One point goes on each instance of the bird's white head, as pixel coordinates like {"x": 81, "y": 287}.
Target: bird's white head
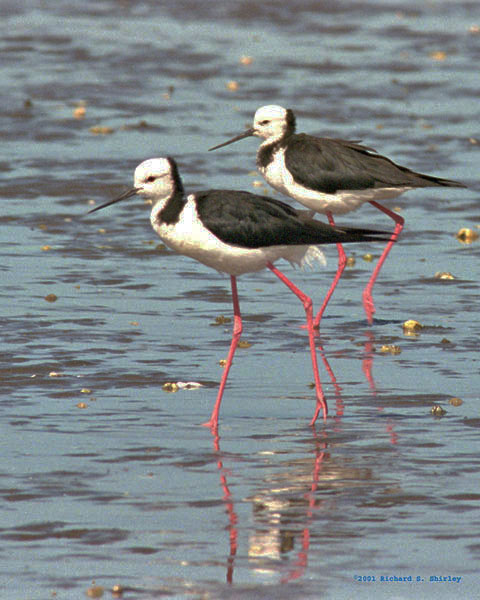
{"x": 272, "y": 122}
{"x": 156, "y": 179}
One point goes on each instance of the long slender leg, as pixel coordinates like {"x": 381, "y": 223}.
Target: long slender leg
{"x": 237, "y": 330}
{"x": 368, "y": 305}
{"x": 342, "y": 261}
{"x": 307, "y": 305}
{"x": 340, "y": 407}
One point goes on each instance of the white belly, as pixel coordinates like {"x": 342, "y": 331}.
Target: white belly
{"x": 340, "y": 203}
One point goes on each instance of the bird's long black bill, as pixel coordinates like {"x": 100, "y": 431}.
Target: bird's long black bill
{"x": 124, "y": 196}
{"x": 245, "y": 134}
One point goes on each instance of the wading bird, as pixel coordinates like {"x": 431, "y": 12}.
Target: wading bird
{"x": 332, "y": 177}
{"x": 237, "y": 232}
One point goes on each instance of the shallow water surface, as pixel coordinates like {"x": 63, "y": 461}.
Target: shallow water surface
{"x": 106, "y": 478}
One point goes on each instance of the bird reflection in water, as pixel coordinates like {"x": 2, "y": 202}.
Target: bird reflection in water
{"x": 296, "y": 501}
{"x": 285, "y": 513}
{"x": 229, "y": 507}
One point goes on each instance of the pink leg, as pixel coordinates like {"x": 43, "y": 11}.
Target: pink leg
{"x": 307, "y": 305}
{"x": 367, "y": 292}
{"x": 342, "y": 261}
{"x": 237, "y": 330}
{"x": 338, "y": 389}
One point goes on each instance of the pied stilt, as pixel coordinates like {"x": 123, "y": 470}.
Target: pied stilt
{"x": 331, "y": 176}
{"x": 237, "y": 232}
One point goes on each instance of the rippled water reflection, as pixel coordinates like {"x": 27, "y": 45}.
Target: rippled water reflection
{"x": 106, "y": 478}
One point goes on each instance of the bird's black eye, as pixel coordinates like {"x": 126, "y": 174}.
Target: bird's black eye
{"x": 151, "y": 178}
{"x": 265, "y": 122}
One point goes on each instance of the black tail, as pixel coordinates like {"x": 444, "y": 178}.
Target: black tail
{"x": 355, "y": 234}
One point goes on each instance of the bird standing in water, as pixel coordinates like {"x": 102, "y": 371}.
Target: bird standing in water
{"x": 236, "y": 232}
{"x": 332, "y": 177}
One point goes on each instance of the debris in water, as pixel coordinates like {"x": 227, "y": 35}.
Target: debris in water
{"x": 438, "y": 55}
{"x": 117, "y": 590}
{"x": 455, "y": 401}
{"x": 350, "y": 261}
{"x": 437, "y": 411}
{"x": 174, "y": 386}
{"x": 101, "y": 130}
{"x": 221, "y": 320}
{"x": 79, "y": 112}
{"x": 412, "y": 327}
{"x": 390, "y": 349}
{"x": 170, "y": 386}
{"x": 96, "y": 591}
{"x": 467, "y": 235}
{"x": 443, "y": 275}
{"x": 189, "y": 385}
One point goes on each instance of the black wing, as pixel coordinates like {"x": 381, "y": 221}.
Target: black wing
{"x": 330, "y": 165}
{"x": 250, "y": 221}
